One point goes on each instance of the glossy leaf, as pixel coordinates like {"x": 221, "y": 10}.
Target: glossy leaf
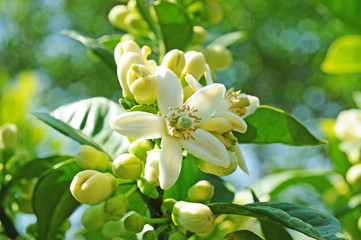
{"x": 229, "y": 39}
{"x": 87, "y": 122}
{"x": 271, "y": 125}
{"x": 343, "y": 56}
{"x": 242, "y": 235}
{"x": 52, "y": 200}
{"x": 175, "y": 24}
{"x": 305, "y": 220}
{"x": 273, "y": 231}
{"x": 94, "y": 46}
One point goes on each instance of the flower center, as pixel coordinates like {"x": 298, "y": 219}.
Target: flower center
{"x": 181, "y": 121}
{"x": 239, "y": 101}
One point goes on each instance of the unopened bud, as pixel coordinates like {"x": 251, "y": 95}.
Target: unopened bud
{"x": 112, "y": 229}
{"x": 126, "y": 47}
{"x": 199, "y": 35}
{"x": 195, "y": 217}
{"x": 177, "y": 236}
{"x": 213, "y": 11}
{"x": 127, "y": 166}
{"x": 91, "y": 158}
{"x": 175, "y": 61}
{"x": 134, "y": 223}
{"x": 115, "y": 207}
{"x": 147, "y": 189}
{"x": 91, "y": 187}
{"x": 217, "y": 124}
{"x": 151, "y": 170}
{"x": 353, "y": 177}
{"x": 142, "y": 84}
{"x": 167, "y": 206}
{"x": 202, "y": 191}
{"x": 218, "y": 170}
{"x": 195, "y": 64}
{"x": 8, "y": 138}
{"x": 117, "y": 15}
{"x": 135, "y": 23}
{"x": 124, "y": 64}
{"x": 150, "y": 235}
{"x": 93, "y": 217}
{"x": 218, "y": 57}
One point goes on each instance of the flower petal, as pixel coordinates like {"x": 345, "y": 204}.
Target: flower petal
{"x": 207, "y": 147}
{"x": 254, "y": 105}
{"x": 239, "y": 124}
{"x": 170, "y": 162}
{"x": 138, "y": 125}
{"x": 208, "y": 75}
{"x": 241, "y": 163}
{"x": 169, "y": 90}
{"x": 192, "y": 82}
{"x": 206, "y": 100}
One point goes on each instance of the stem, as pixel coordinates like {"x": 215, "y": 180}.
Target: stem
{"x": 155, "y": 220}
{"x": 9, "y": 228}
{"x": 125, "y": 181}
{"x": 131, "y": 191}
{"x": 161, "y": 228}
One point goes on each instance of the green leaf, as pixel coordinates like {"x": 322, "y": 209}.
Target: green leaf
{"x": 273, "y": 231}
{"x": 87, "y": 122}
{"x": 229, "y": 39}
{"x": 343, "y": 56}
{"x": 110, "y": 41}
{"x": 271, "y": 125}
{"x": 307, "y": 221}
{"x": 52, "y": 200}
{"x": 243, "y": 235}
{"x": 94, "y": 46}
{"x": 175, "y": 24}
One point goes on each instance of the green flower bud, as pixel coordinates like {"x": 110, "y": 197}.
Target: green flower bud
{"x": 8, "y": 138}
{"x": 195, "y": 64}
{"x": 115, "y": 207}
{"x": 93, "y": 217}
{"x": 214, "y": 12}
{"x": 175, "y": 61}
{"x": 127, "y": 166}
{"x": 91, "y": 158}
{"x": 202, "y": 191}
{"x": 151, "y": 169}
{"x": 199, "y": 35}
{"x": 91, "y": 187}
{"x": 177, "y": 236}
{"x": 117, "y": 15}
{"x": 134, "y": 223}
{"x": 142, "y": 84}
{"x": 218, "y": 170}
{"x": 135, "y": 23}
{"x": 112, "y": 229}
{"x": 132, "y": 6}
{"x": 167, "y": 206}
{"x": 218, "y": 57}
{"x": 147, "y": 189}
{"x": 194, "y": 217}
{"x": 353, "y": 177}
{"x": 150, "y": 235}
{"x": 126, "y": 47}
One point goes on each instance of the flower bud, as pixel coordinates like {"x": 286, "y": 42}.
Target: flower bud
{"x": 202, "y": 191}
{"x": 134, "y": 223}
{"x": 151, "y": 170}
{"x": 91, "y": 158}
{"x": 217, "y": 124}
{"x": 218, "y": 170}
{"x": 112, "y": 229}
{"x": 177, "y": 236}
{"x": 126, "y": 47}
{"x": 150, "y": 235}
{"x": 117, "y": 15}
{"x": 195, "y": 64}
{"x": 127, "y": 166}
{"x": 115, "y": 207}
{"x": 218, "y": 57}
{"x": 93, "y": 217}
{"x": 348, "y": 125}
{"x": 175, "y": 61}
{"x": 188, "y": 91}
{"x": 8, "y": 138}
{"x": 142, "y": 84}
{"x": 195, "y": 217}
{"x": 147, "y": 189}
{"x": 135, "y": 24}
{"x": 91, "y": 187}
{"x": 353, "y": 177}
{"x": 167, "y": 206}
{"x": 124, "y": 64}
{"x": 199, "y": 35}
{"x": 214, "y": 12}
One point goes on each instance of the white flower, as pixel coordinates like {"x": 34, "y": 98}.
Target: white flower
{"x": 348, "y": 125}
{"x": 178, "y": 126}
